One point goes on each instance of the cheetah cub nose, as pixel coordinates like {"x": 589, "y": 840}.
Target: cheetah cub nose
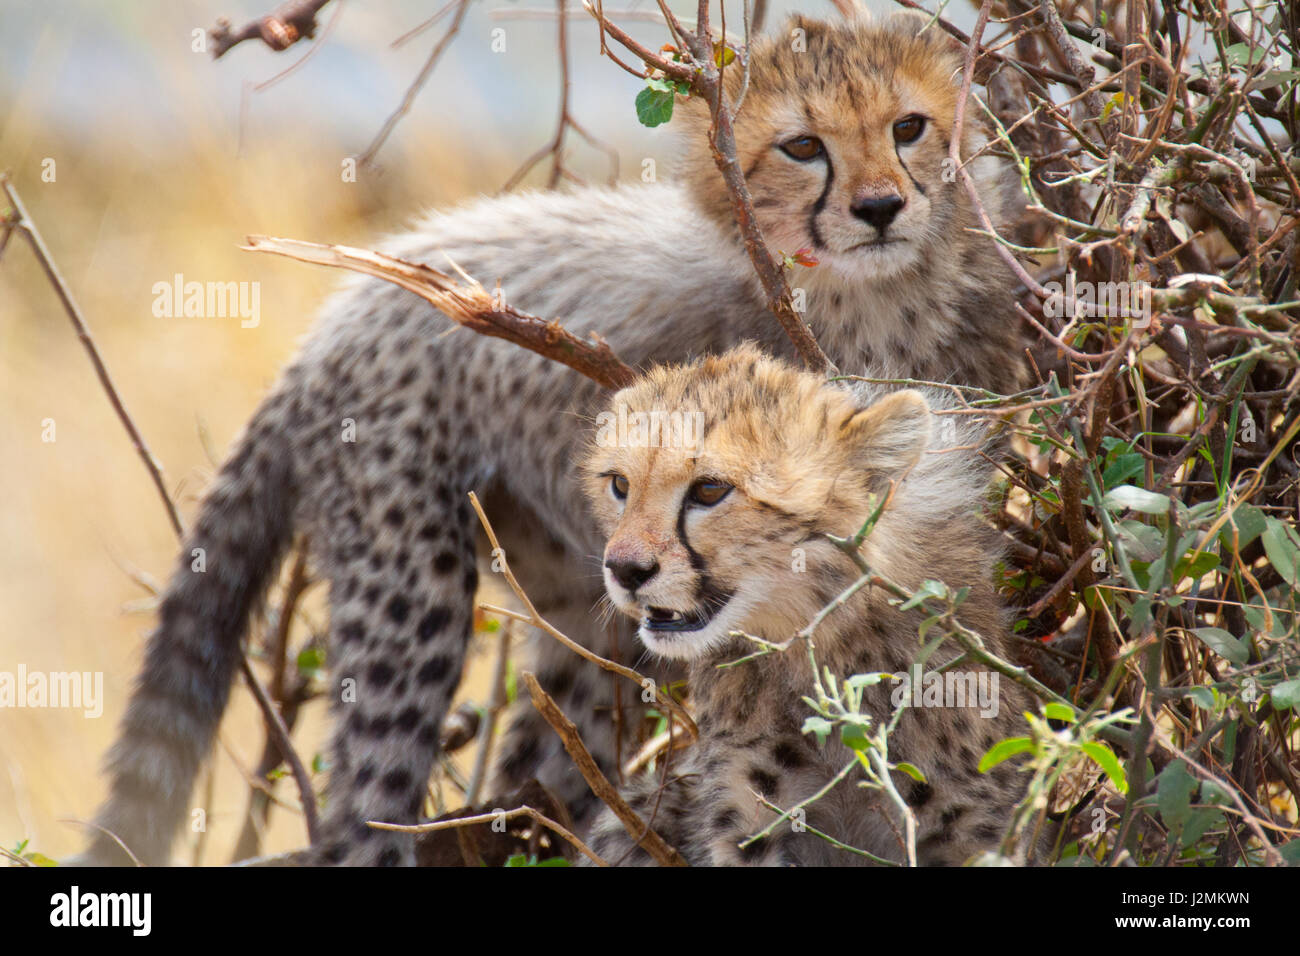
{"x": 630, "y": 572}
{"x": 879, "y": 211}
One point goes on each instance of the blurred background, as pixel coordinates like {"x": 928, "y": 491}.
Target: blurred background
{"x": 139, "y": 158}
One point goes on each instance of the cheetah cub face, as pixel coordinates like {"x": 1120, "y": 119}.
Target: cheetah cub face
{"x": 715, "y": 517}
{"x": 843, "y": 137}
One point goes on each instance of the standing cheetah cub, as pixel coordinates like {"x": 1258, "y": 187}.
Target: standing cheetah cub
{"x": 722, "y": 528}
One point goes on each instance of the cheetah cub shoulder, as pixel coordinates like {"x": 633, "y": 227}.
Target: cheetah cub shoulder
{"x": 716, "y": 485}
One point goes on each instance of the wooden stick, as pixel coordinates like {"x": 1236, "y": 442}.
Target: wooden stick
{"x": 638, "y": 829}
{"x": 467, "y": 304}
{"x": 536, "y": 815}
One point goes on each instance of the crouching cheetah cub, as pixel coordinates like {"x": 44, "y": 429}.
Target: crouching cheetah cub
{"x": 716, "y": 484}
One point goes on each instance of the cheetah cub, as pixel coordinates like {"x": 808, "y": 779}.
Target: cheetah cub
{"x": 716, "y": 520}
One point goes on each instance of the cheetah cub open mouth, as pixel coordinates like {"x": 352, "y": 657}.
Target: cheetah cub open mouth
{"x": 662, "y": 619}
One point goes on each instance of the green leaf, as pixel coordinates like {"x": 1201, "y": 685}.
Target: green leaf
{"x": 1143, "y": 542}
{"x": 1223, "y": 644}
{"x": 1077, "y": 859}
{"x": 1137, "y": 499}
{"x": 654, "y": 107}
{"x": 1202, "y": 565}
{"x": 1057, "y": 711}
{"x": 310, "y": 660}
{"x": 520, "y": 859}
{"x": 911, "y": 771}
{"x": 853, "y": 735}
{"x": 1249, "y": 522}
{"x": 928, "y": 589}
{"x": 1174, "y": 789}
{"x": 1258, "y": 617}
{"x": 1246, "y": 54}
{"x": 819, "y": 726}
{"x": 1286, "y": 694}
{"x": 1138, "y": 615}
{"x": 1202, "y": 697}
{"x": 1282, "y": 551}
{"x": 512, "y": 682}
{"x": 1004, "y": 750}
{"x": 858, "y": 681}
{"x": 1291, "y": 852}
{"x": 1105, "y": 758}
{"x": 1122, "y": 468}
{"x": 1197, "y": 822}
{"x": 1215, "y": 794}
{"x": 1273, "y": 78}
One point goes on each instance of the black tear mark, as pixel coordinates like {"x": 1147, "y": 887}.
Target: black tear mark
{"x": 820, "y": 204}
{"x": 919, "y": 187}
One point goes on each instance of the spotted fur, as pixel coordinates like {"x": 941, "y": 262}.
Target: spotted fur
{"x": 389, "y": 416}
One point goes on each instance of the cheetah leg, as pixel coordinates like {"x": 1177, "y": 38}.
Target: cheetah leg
{"x": 396, "y": 655}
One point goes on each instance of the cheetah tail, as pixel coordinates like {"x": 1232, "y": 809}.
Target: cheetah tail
{"x": 229, "y": 558}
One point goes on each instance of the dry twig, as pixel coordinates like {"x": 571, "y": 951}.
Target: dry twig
{"x": 638, "y": 829}
{"x": 468, "y": 304}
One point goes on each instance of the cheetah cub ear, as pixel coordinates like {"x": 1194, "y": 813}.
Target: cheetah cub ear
{"x": 889, "y": 436}
{"x": 910, "y": 23}
{"x": 907, "y": 22}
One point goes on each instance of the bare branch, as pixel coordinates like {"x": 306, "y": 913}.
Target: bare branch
{"x": 467, "y": 304}
{"x": 535, "y": 815}
{"x": 368, "y": 156}
{"x": 638, "y": 829}
{"x": 291, "y": 22}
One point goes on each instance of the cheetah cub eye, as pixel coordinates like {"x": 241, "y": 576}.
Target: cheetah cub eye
{"x": 803, "y": 148}
{"x": 708, "y": 492}
{"x": 909, "y": 129}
